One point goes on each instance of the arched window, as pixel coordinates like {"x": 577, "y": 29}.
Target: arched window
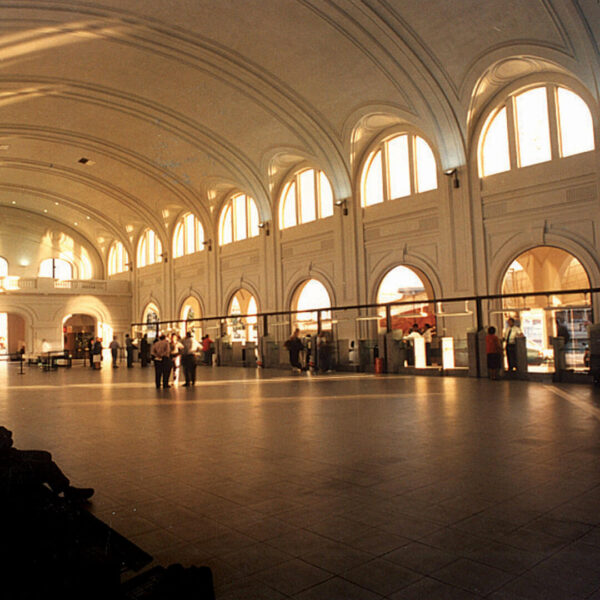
{"x": 398, "y": 167}
{"x": 118, "y": 259}
{"x": 189, "y": 235}
{"x": 308, "y": 298}
{"x": 307, "y": 197}
{"x": 531, "y": 126}
{"x": 56, "y": 268}
{"x": 3, "y": 267}
{"x": 239, "y": 220}
{"x": 149, "y": 249}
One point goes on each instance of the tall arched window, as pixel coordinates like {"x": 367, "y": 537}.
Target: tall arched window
{"x": 398, "y": 167}
{"x": 149, "y": 249}
{"x": 118, "y": 259}
{"x": 189, "y": 235}
{"x": 535, "y": 126}
{"x": 3, "y": 267}
{"x": 307, "y": 197}
{"x": 239, "y": 220}
{"x": 56, "y": 268}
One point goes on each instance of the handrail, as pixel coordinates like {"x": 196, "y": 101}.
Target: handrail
{"x": 477, "y": 299}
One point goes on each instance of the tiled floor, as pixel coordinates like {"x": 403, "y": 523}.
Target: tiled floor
{"x": 334, "y": 487}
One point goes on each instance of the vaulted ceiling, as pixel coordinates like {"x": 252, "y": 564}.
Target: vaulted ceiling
{"x": 115, "y": 116}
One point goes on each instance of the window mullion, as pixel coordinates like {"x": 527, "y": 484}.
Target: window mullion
{"x": 317, "y": 181}
{"x": 412, "y": 163}
{"x": 233, "y": 220}
{"x": 385, "y": 166}
{"x": 511, "y": 124}
{"x": 552, "y": 108}
{"x": 298, "y": 199}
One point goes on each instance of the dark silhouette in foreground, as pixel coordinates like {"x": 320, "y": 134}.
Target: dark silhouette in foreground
{"x": 52, "y": 547}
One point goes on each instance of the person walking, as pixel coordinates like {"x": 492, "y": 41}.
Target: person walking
{"x": 294, "y": 345}
{"x": 493, "y": 349}
{"x": 114, "y": 351}
{"x": 188, "y": 358}
{"x": 161, "y": 353}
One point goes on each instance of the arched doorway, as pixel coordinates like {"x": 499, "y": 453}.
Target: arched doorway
{"x": 557, "y": 313}
{"x": 77, "y": 331}
{"x": 12, "y": 333}
{"x": 406, "y": 284}
{"x": 239, "y": 328}
{"x": 307, "y": 299}
{"x": 190, "y": 310}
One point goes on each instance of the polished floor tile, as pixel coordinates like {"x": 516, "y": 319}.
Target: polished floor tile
{"x": 338, "y": 486}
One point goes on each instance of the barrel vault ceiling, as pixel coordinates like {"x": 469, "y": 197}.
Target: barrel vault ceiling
{"x": 120, "y": 115}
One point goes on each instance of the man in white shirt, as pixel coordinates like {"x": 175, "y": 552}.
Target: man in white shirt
{"x": 188, "y": 358}
{"x": 511, "y": 333}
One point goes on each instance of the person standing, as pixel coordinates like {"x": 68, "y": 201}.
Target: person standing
{"x": 145, "y": 350}
{"x": 114, "y": 351}
{"x": 176, "y": 348}
{"x": 90, "y": 349}
{"x": 294, "y": 345}
{"x": 129, "y": 349}
{"x": 493, "y": 350}
{"x": 97, "y": 353}
{"x": 511, "y": 333}
{"x": 188, "y": 358}
{"x": 207, "y": 350}
{"x": 428, "y": 332}
{"x": 161, "y": 352}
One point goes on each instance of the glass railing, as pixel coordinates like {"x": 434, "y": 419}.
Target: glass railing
{"x": 433, "y": 336}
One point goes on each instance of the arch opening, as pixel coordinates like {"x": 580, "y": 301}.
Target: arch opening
{"x": 191, "y": 309}
{"x": 406, "y": 284}
{"x": 150, "y": 317}
{"x": 78, "y": 330}
{"x": 239, "y": 328}
{"x": 12, "y": 333}
{"x": 558, "y": 314}
{"x": 308, "y": 298}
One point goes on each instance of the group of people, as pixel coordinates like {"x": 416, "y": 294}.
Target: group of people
{"x": 169, "y": 354}
{"x": 494, "y": 348}
{"x": 167, "y": 357}
{"x": 311, "y": 353}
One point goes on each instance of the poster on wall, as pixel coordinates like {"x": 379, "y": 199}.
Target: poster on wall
{"x": 533, "y": 326}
